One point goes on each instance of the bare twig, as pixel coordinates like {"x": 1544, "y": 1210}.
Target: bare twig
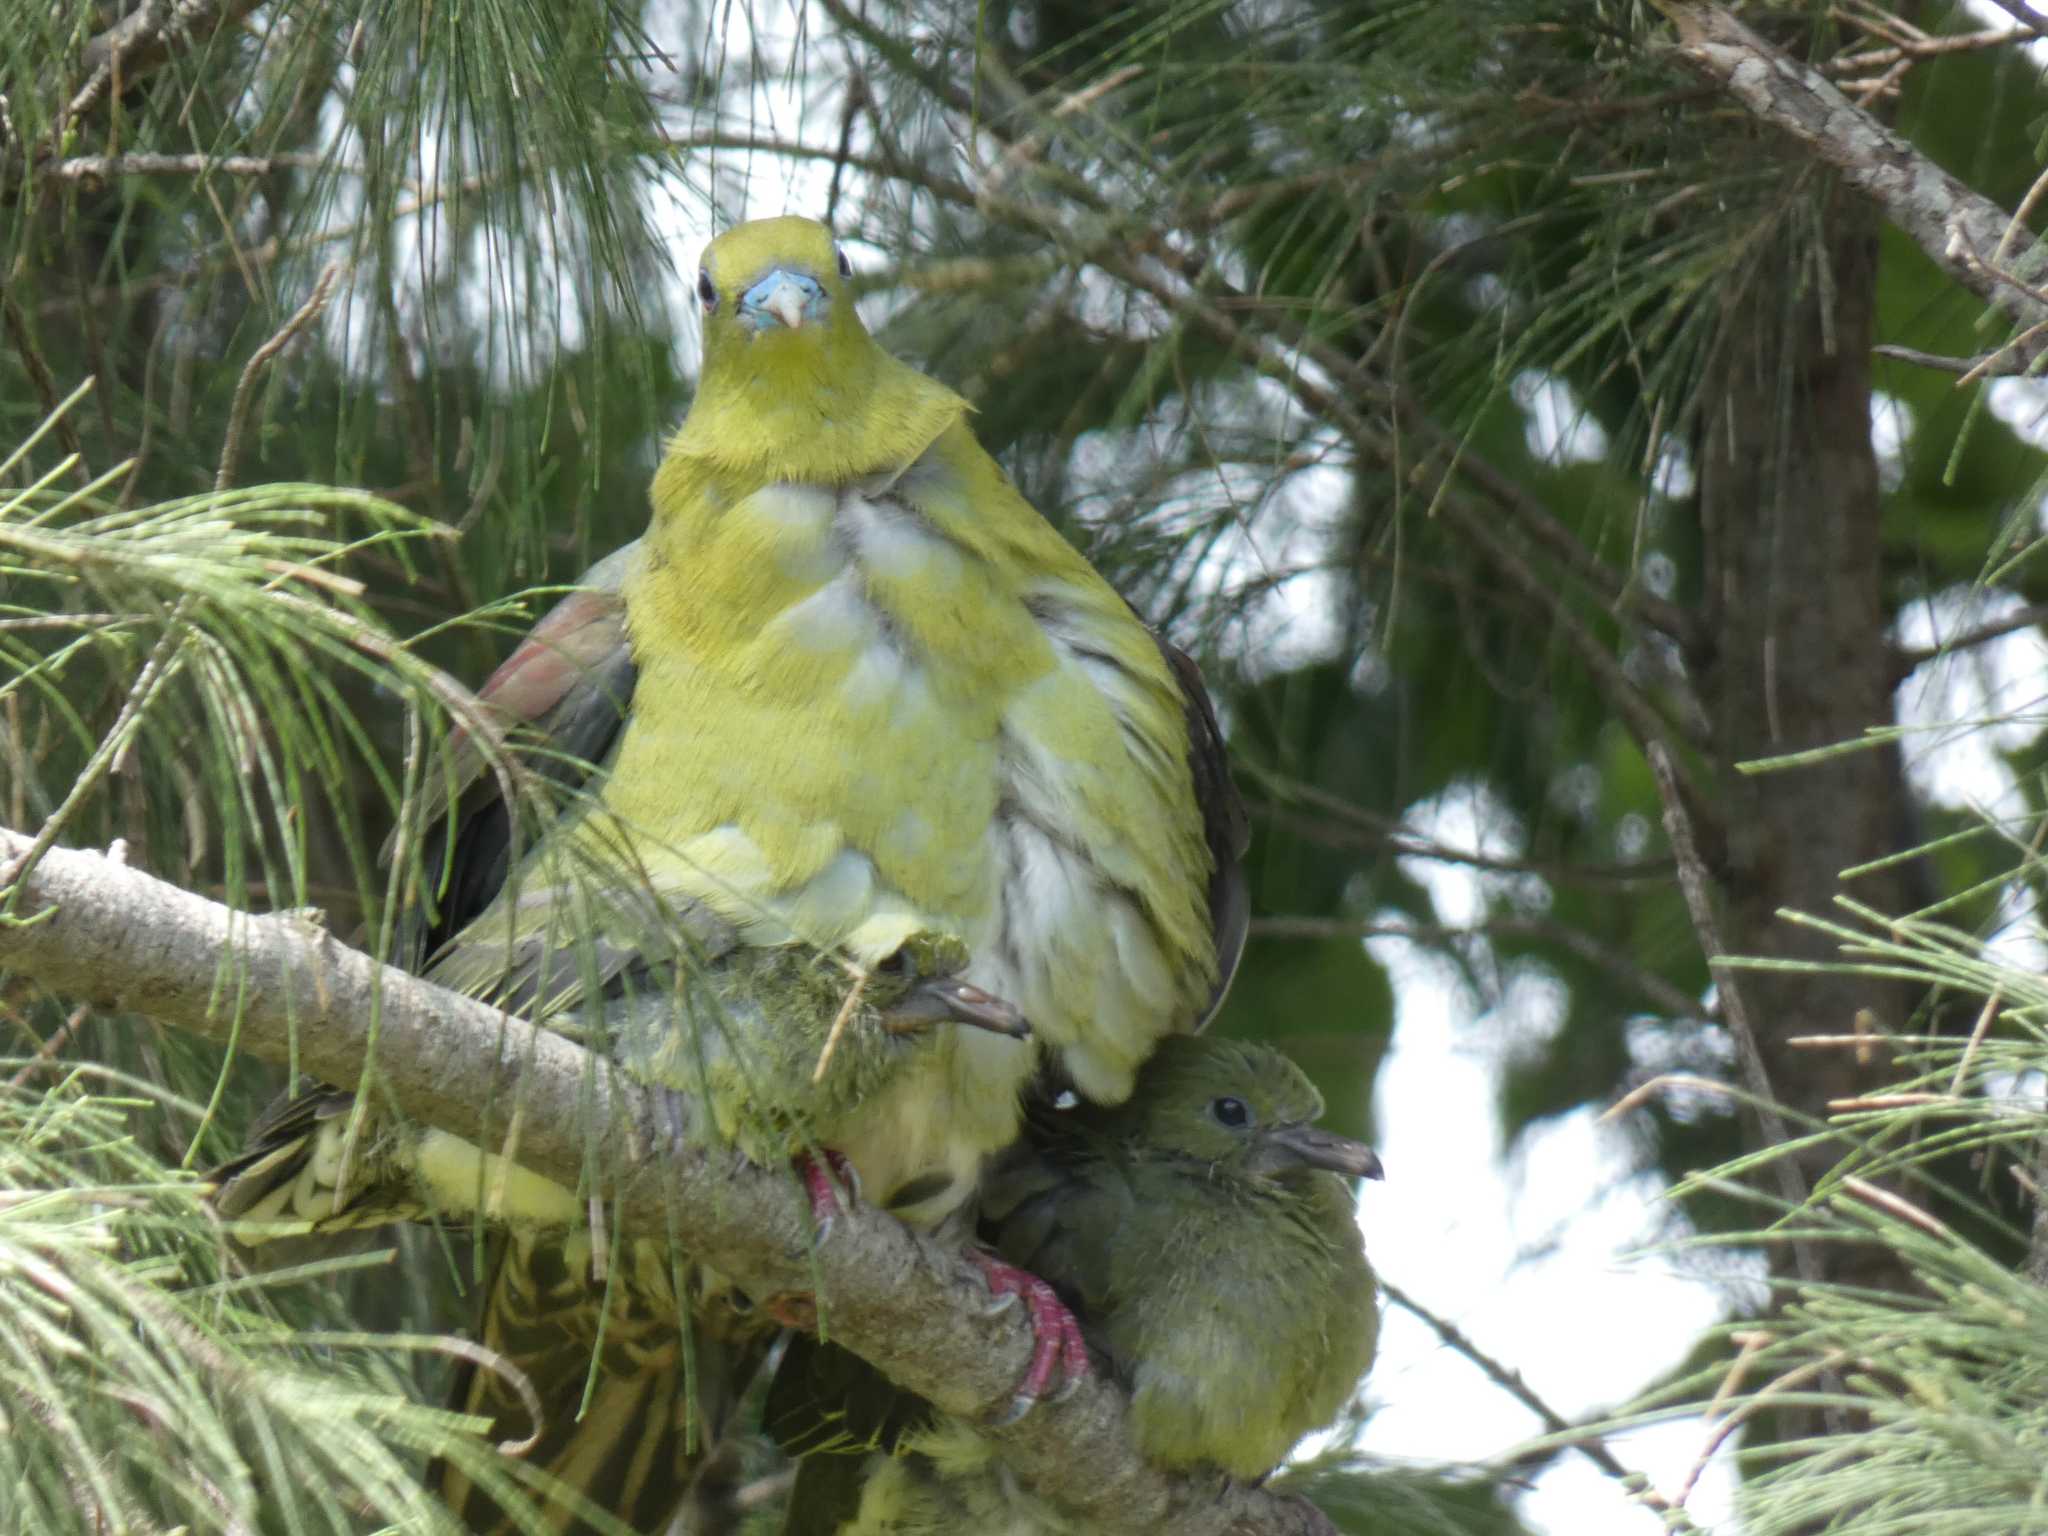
{"x": 144, "y": 40}
{"x": 44, "y": 381}
{"x": 854, "y": 994}
{"x": 245, "y": 388}
{"x": 102, "y": 168}
{"x": 165, "y": 660}
{"x": 1906, "y": 659}
{"x": 2000, "y": 364}
{"x": 1387, "y": 835}
{"x": 47, "y": 1051}
{"x": 2025, "y": 14}
{"x": 1510, "y": 1381}
{"x": 1654, "y": 988}
{"x": 1695, "y": 882}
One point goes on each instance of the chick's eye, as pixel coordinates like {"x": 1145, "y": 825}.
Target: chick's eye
{"x": 845, "y": 266}
{"x": 1230, "y": 1112}
{"x": 706, "y": 290}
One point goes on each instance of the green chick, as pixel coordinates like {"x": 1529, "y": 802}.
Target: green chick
{"x": 773, "y": 1049}
{"x": 1205, "y": 1236}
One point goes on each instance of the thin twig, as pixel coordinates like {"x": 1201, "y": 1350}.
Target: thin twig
{"x": 165, "y": 660}
{"x": 1510, "y": 1381}
{"x": 1999, "y": 364}
{"x": 1667, "y": 998}
{"x": 1695, "y": 882}
{"x": 245, "y": 388}
{"x": 47, "y": 1051}
{"x": 2025, "y": 14}
{"x": 839, "y": 1022}
{"x": 1371, "y": 829}
{"x": 103, "y": 168}
{"x": 44, "y": 381}
{"x": 1718, "y": 1436}
{"x": 1905, "y": 660}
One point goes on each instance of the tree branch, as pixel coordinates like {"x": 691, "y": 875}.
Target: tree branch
{"x": 2024, "y": 13}
{"x": 1654, "y": 988}
{"x": 145, "y": 39}
{"x": 1586, "y": 1441}
{"x": 114, "y": 61}
{"x": 1968, "y": 236}
{"x": 1906, "y": 658}
{"x": 102, "y": 933}
{"x": 98, "y": 169}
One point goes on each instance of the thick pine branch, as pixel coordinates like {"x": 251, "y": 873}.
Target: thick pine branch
{"x": 96, "y": 931}
{"x": 1975, "y": 241}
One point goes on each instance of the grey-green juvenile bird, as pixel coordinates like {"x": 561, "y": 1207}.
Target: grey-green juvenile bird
{"x": 1204, "y": 1234}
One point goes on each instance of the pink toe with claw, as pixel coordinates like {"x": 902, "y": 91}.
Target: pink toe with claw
{"x": 829, "y": 1181}
{"x": 1059, "y": 1355}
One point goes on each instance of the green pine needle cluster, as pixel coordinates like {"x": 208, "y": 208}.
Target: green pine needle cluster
{"x": 146, "y": 1386}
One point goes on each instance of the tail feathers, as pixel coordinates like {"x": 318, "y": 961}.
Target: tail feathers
{"x": 292, "y": 1173}
{"x": 300, "y": 1177}
{"x": 833, "y": 1411}
{"x": 643, "y": 1447}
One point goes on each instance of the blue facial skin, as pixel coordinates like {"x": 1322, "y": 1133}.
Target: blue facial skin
{"x": 781, "y": 290}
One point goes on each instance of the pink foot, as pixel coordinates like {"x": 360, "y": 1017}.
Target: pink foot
{"x": 793, "y": 1309}
{"x": 820, "y": 1183}
{"x": 1058, "y": 1352}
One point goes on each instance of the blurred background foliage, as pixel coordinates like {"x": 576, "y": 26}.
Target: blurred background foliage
{"x": 1483, "y": 397}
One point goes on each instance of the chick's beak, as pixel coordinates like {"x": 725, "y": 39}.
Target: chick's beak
{"x": 1305, "y": 1146}
{"x": 948, "y": 1000}
{"x": 782, "y": 298}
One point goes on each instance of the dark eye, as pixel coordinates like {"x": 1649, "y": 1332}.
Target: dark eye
{"x": 706, "y": 290}
{"x": 845, "y": 266}
{"x": 1230, "y": 1112}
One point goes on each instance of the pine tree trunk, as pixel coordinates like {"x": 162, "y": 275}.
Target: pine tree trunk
{"x": 1796, "y": 657}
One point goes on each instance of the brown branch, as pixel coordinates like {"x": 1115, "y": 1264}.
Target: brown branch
{"x": 2024, "y": 14}
{"x": 245, "y": 387}
{"x": 1963, "y": 232}
{"x": 144, "y": 40}
{"x": 1510, "y": 1381}
{"x": 2000, "y": 364}
{"x": 104, "y": 168}
{"x": 1695, "y": 882}
{"x": 1672, "y": 1002}
{"x": 116, "y": 938}
{"x": 1384, "y": 834}
{"x": 1905, "y": 659}
{"x": 45, "y": 383}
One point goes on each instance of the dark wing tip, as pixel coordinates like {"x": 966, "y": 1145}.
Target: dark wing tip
{"x": 1225, "y": 823}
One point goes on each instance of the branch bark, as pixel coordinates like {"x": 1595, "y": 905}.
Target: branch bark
{"x": 100, "y": 932}
{"x": 1967, "y": 235}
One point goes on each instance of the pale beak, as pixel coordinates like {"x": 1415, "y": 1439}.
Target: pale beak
{"x": 948, "y": 1000}
{"x": 788, "y": 299}
{"x": 1305, "y": 1146}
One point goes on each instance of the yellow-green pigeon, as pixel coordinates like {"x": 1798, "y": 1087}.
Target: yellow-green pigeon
{"x": 850, "y": 689}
